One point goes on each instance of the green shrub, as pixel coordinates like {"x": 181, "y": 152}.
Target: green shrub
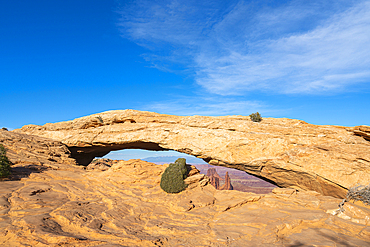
{"x": 172, "y": 180}
{"x": 100, "y": 119}
{"x": 4, "y": 163}
{"x": 256, "y": 117}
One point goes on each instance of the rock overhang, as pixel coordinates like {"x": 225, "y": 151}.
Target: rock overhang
{"x": 287, "y": 152}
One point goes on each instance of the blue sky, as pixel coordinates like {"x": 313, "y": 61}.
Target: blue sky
{"x": 307, "y": 60}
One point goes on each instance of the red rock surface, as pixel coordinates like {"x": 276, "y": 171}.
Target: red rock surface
{"x": 240, "y": 180}
{"x": 212, "y": 172}
{"x": 214, "y": 177}
{"x": 34, "y": 151}
{"x": 61, "y": 204}
{"x": 125, "y": 206}
{"x": 290, "y": 153}
{"x": 215, "y": 181}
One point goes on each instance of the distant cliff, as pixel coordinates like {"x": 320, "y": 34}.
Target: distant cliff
{"x": 227, "y": 185}
{"x": 215, "y": 180}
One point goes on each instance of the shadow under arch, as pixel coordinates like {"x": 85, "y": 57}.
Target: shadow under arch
{"x": 85, "y": 155}
{"x": 283, "y": 178}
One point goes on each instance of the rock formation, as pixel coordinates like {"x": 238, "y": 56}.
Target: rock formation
{"x": 227, "y": 185}
{"x": 125, "y": 206}
{"x": 287, "y": 152}
{"x": 57, "y": 203}
{"x": 211, "y": 172}
{"x": 214, "y": 177}
{"x": 215, "y": 181}
{"x": 363, "y": 131}
{"x": 100, "y": 164}
{"x": 35, "y": 152}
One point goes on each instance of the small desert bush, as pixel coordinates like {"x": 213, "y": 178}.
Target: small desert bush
{"x": 357, "y": 193}
{"x": 4, "y": 163}
{"x": 172, "y": 180}
{"x": 100, "y": 119}
{"x": 256, "y": 117}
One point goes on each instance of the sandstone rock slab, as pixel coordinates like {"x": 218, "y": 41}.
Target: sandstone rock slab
{"x": 125, "y": 206}
{"x": 27, "y": 152}
{"x": 287, "y": 152}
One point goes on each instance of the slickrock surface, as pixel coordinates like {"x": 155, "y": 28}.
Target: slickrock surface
{"x": 125, "y": 206}
{"x": 28, "y": 152}
{"x": 291, "y": 153}
{"x": 100, "y": 164}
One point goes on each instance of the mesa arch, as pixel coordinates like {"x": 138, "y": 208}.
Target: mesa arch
{"x": 287, "y": 152}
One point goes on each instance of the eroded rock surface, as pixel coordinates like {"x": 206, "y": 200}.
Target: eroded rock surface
{"x": 290, "y": 153}
{"x": 34, "y": 152}
{"x": 100, "y": 164}
{"x": 125, "y": 206}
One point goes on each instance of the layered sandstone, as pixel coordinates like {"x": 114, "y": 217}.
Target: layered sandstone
{"x": 287, "y": 152}
{"x": 27, "y": 151}
{"x": 125, "y": 206}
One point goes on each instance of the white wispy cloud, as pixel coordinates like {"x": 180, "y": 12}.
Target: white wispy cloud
{"x": 237, "y": 46}
{"x": 209, "y": 106}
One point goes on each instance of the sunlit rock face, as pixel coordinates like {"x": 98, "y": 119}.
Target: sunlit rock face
{"x": 214, "y": 177}
{"x": 125, "y": 206}
{"x": 215, "y": 180}
{"x": 34, "y": 151}
{"x": 49, "y": 201}
{"x": 211, "y": 172}
{"x": 287, "y": 152}
{"x": 227, "y": 185}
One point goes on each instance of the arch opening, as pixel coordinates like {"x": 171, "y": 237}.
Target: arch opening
{"x": 84, "y": 155}
{"x": 222, "y": 177}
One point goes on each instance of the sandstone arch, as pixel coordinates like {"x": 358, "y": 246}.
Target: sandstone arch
{"x": 288, "y": 152}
